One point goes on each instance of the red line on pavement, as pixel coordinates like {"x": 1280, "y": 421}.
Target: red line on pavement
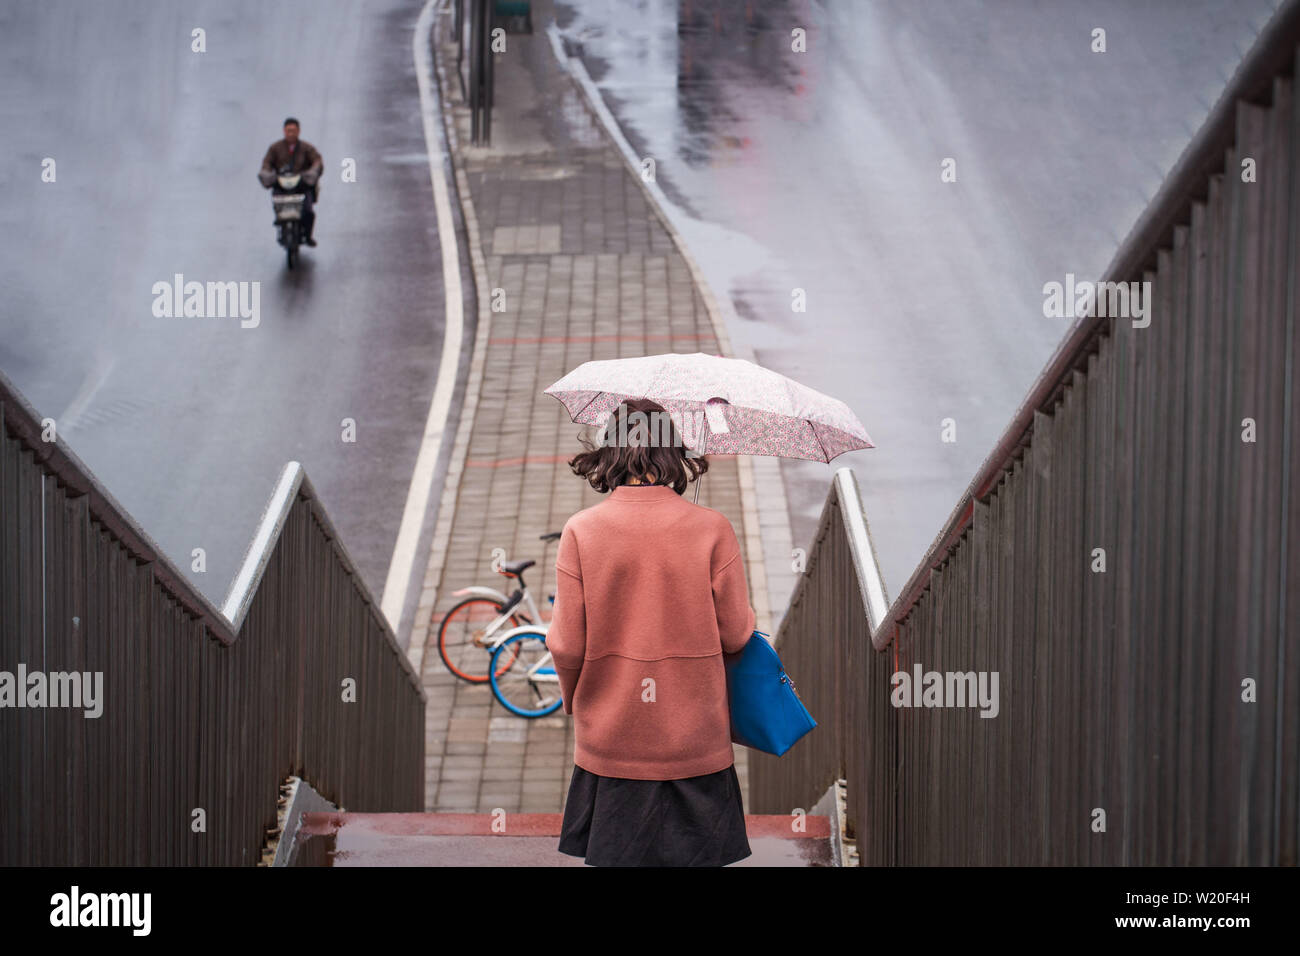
{"x": 553, "y": 339}
{"x": 525, "y": 460}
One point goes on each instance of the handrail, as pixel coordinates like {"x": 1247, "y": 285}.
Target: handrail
{"x": 222, "y": 624}
{"x": 845, "y": 493}
{"x": 865, "y": 560}
{"x": 244, "y": 584}
{"x": 1272, "y": 55}
{"x": 73, "y": 474}
{"x": 292, "y": 484}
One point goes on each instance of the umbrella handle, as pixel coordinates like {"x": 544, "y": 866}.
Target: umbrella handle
{"x": 704, "y": 444}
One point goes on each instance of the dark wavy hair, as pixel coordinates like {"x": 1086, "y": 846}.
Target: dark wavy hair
{"x": 639, "y": 440}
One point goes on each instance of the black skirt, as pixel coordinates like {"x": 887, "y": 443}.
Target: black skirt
{"x": 695, "y": 821}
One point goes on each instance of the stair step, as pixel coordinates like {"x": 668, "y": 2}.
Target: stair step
{"x": 468, "y": 839}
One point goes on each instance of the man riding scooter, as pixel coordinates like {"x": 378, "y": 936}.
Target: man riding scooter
{"x": 294, "y": 155}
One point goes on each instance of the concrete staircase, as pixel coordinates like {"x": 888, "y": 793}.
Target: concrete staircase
{"x": 468, "y": 839}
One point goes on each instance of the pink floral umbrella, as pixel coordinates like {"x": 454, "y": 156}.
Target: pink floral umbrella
{"x": 719, "y": 405}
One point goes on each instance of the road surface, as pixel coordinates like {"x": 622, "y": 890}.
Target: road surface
{"x": 188, "y": 421}
{"x": 820, "y": 171}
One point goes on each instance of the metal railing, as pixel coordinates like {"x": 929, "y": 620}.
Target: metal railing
{"x": 1124, "y": 560}
{"x": 824, "y": 641}
{"x": 202, "y": 715}
{"x": 472, "y": 25}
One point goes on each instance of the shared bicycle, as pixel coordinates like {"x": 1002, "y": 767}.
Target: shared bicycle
{"x": 498, "y": 639}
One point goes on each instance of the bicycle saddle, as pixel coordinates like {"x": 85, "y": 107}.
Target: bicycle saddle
{"x": 513, "y": 568}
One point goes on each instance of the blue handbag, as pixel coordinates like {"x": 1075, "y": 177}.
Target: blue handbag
{"x": 766, "y": 713}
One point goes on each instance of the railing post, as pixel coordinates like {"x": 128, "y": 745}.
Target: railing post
{"x": 489, "y": 72}
{"x": 480, "y": 73}
{"x": 475, "y": 68}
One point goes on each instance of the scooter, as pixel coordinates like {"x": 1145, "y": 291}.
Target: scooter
{"x": 288, "y": 197}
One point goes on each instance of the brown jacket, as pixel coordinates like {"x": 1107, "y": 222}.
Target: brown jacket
{"x": 303, "y": 157}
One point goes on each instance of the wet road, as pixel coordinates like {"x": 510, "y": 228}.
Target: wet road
{"x": 188, "y": 421}
{"x": 820, "y": 171}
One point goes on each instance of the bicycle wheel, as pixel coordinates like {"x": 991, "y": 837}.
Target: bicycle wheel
{"x": 462, "y": 638}
{"x": 528, "y": 685}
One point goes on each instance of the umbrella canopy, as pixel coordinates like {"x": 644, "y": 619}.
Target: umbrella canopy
{"x": 719, "y": 405}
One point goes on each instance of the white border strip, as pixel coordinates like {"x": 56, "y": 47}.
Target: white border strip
{"x": 474, "y": 383}
{"x": 417, "y": 498}
{"x": 864, "y": 553}
{"x": 259, "y": 549}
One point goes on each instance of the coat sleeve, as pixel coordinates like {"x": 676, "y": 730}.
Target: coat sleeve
{"x": 267, "y": 160}
{"x": 731, "y": 597}
{"x": 567, "y": 637}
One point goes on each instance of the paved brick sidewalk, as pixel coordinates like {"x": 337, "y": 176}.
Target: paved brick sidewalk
{"x": 588, "y": 272}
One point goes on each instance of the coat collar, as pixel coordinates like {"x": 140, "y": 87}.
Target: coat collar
{"x": 640, "y": 494}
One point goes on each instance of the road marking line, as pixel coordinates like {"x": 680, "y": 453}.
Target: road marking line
{"x": 417, "y": 498}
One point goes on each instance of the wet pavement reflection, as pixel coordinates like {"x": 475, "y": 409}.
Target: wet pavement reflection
{"x": 816, "y": 176}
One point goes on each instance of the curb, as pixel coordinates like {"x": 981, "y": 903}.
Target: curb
{"x": 473, "y": 386}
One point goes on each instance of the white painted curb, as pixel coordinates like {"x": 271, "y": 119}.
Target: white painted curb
{"x": 421, "y": 488}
